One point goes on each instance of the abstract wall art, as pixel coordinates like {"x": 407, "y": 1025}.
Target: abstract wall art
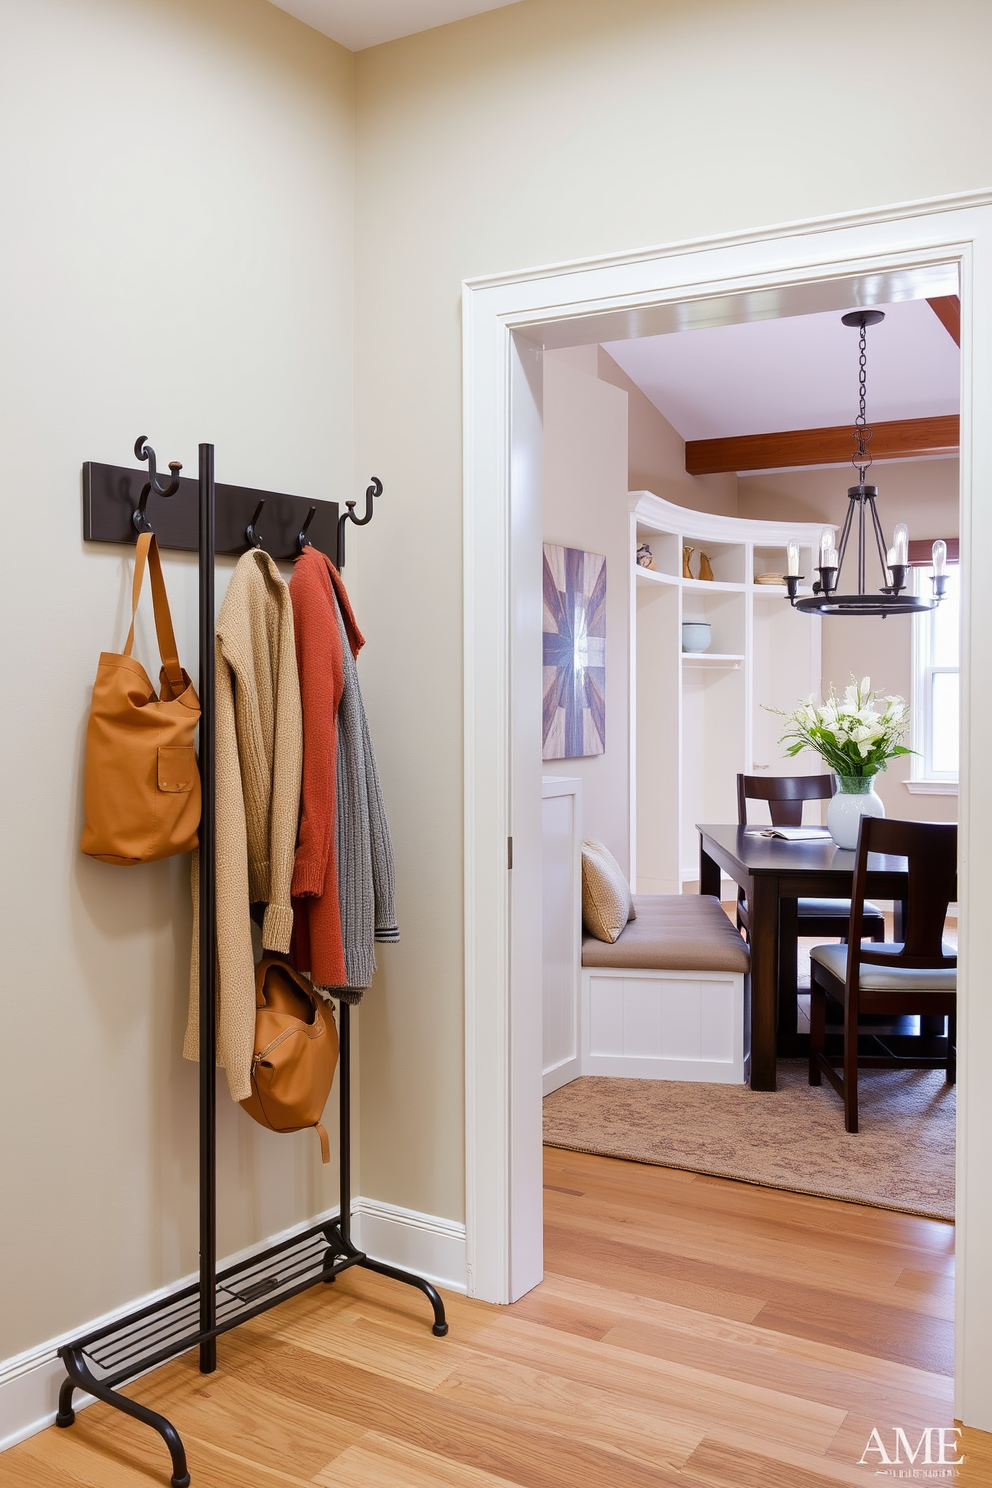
{"x": 574, "y": 653}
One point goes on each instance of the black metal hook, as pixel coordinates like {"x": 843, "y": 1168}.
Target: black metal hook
{"x": 252, "y": 535}
{"x": 372, "y": 491}
{"x": 144, "y": 451}
{"x": 302, "y": 541}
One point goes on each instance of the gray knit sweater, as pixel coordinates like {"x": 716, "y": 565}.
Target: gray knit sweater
{"x": 362, "y": 842}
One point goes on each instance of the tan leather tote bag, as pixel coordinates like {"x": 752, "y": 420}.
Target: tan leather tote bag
{"x": 142, "y": 787}
{"x": 296, "y": 1052}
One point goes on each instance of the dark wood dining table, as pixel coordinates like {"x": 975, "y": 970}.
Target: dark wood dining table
{"x": 774, "y": 875}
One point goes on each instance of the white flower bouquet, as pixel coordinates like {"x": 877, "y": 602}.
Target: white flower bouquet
{"x": 856, "y": 734}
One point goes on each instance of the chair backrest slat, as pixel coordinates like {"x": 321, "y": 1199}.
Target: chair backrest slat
{"x": 931, "y": 851}
{"x": 785, "y": 795}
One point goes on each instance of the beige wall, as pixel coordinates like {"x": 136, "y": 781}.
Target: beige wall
{"x": 535, "y": 134}
{"x": 182, "y": 189}
{"x": 925, "y": 495}
{"x": 585, "y": 506}
{"x": 656, "y": 453}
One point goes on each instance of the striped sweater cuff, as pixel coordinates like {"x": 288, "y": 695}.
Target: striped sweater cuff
{"x": 387, "y": 934}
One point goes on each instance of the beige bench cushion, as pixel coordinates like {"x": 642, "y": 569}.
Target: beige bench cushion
{"x": 672, "y": 932}
{"x": 888, "y": 979}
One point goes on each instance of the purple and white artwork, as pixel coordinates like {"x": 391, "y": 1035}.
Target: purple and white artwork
{"x": 574, "y": 653}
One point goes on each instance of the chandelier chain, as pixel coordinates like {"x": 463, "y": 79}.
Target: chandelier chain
{"x": 861, "y": 459}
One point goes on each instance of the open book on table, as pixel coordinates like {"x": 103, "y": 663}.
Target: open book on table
{"x": 790, "y": 834}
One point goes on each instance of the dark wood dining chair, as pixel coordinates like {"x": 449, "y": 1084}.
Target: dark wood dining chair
{"x": 917, "y": 977}
{"x": 786, "y": 795}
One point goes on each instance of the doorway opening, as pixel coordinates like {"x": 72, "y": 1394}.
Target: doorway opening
{"x": 509, "y": 323}
{"x": 672, "y": 664}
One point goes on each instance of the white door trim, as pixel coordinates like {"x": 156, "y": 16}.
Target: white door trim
{"x": 747, "y": 275}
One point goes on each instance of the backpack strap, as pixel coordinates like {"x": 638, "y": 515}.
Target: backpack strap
{"x": 325, "y": 1146}
{"x": 147, "y": 551}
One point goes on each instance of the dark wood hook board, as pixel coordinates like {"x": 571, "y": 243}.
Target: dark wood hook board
{"x": 111, "y": 494}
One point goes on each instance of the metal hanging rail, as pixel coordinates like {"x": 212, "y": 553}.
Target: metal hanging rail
{"x": 115, "y": 509}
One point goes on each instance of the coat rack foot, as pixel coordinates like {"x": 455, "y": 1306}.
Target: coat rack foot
{"x": 66, "y": 1415}
{"x": 440, "y": 1326}
{"x": 80, "y": 1377}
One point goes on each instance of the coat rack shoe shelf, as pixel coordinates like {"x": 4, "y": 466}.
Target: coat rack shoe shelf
{"x": 118, "y": 503}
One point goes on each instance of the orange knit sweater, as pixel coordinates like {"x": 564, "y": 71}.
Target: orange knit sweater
{"x": 318, "y": 947}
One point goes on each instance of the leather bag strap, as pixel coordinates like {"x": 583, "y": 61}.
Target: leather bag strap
{"x": 270, "y": 959}
{"x": 147, "y": 551}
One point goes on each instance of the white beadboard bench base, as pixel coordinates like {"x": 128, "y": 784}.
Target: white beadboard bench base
{"x": 665, "y": 1025}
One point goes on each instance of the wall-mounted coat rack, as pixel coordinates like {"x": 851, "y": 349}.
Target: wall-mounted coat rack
{"x": 117, "y": 504}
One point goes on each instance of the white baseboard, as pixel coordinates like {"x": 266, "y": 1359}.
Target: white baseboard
{"x": 561, "y": 1074}
{"x": 433, "y": 1247}
{"x": 29, "y": 1393}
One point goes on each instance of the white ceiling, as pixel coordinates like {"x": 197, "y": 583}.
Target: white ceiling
{"x": 796, "y": 373}
{"x": 364, "y": 23}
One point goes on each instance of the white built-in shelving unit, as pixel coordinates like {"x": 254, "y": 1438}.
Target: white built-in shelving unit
{"x": 697, "y": 719}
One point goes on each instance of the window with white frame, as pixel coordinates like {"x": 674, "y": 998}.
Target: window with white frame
{"x": 936, "y": 699}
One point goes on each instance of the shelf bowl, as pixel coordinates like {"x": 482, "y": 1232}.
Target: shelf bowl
{"x": 696, "y": 637}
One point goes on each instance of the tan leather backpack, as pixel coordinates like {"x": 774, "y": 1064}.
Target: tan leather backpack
{"x": 296, "y": 1051}
{"x": 142, "y": 786}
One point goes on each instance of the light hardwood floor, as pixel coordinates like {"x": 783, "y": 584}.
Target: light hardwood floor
{"x": 691, "y": 1331}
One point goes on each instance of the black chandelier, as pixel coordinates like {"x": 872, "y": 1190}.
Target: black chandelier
{"x": 889, "y": 600}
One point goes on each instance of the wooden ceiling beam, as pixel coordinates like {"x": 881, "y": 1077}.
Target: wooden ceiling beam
{"x": 921, "y": 551}
{"x": 947, "y": 309}
{"x": 900, "y": 439}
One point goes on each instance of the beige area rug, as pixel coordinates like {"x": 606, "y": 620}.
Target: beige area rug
{"x": 792, "y": 1138}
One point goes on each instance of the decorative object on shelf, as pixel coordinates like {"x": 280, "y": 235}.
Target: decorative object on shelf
{"x": 894, "y": 561}
{"x": 856, "y": 734}
{"x": 696, "y": 636}
{"x": 645, "y": 557}
{"x": 574, "y": 653}
{"x": 686, "y": 555}
{"x": 705, "y": 568}
{"x": 769, "y": 578}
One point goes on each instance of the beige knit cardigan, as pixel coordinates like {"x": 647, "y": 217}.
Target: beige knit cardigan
{"x": 259, "y": 755}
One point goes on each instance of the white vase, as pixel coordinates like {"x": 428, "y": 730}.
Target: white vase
{"x": 855, "y": 798}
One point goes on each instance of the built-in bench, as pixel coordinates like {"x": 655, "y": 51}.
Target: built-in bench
{"x": 668, "y": 999}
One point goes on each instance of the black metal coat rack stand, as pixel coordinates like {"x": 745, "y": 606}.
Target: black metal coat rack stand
{"x": 229, "y": 519}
